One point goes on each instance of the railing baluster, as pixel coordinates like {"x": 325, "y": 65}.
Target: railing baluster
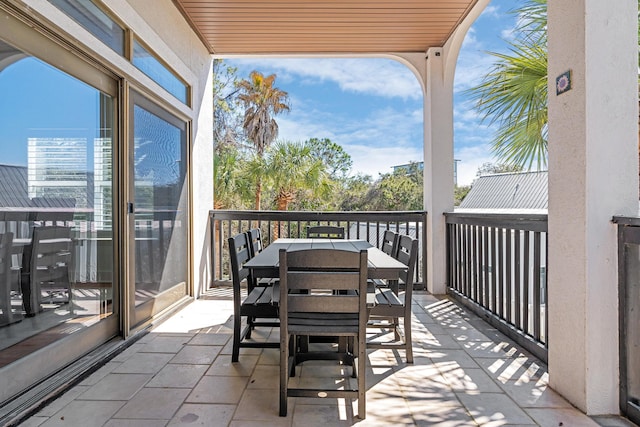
{"x": 467, "y": 262}
{"x": 536, "y": 285}
{"x": 509, "y": 282}
{"x": 501, "y": 265}
{"x": 476, "y": 262}
{"x": 485, "y": 282}
{"x": 494, "y": 271}
{"x": 455, "y": 273}
{"x": 526, "y": 284}
{"x": 460, "y": 265}
{"x": 518, "y": 280}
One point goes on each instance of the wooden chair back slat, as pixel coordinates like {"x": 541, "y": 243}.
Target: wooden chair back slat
{"x": 389, "y": 243}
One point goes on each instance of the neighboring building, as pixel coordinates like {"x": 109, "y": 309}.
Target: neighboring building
{"x": 421, "y": 168}
{"x": 517, "y": 191}
{"x": 406, "y": 166}
{"x": 58, "y": 169}
{"x": 103, "y": 177}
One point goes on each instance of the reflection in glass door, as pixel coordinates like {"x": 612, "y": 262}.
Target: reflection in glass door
{"x": 159, "y": 208}
{"x": 57, "y": 282}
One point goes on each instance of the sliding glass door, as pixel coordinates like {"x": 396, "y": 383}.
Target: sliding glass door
{"x": 59, "y": 293}
{"x": 157, "y": 208}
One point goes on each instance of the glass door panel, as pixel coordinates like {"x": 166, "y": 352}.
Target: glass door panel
{"x": 160, "y": 248}
{"x": 56, "y": 217}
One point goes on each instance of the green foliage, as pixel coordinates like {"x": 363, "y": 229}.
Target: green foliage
{"x": 353, "y": 190}
{"x": 227, "y": 129}
{"x": 400, "y": 190}
{"x": 493, "y": 168}
{"x": 459, "y": 193}
{"x": 337, "y": 161}
{"x": 231, "y": 188}
{"x": 294, "y": 173}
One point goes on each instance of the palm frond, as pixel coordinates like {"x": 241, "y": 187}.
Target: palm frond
{"x": 513, "y": 94}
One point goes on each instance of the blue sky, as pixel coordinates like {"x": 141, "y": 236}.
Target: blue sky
{"x": 373, "y": 107}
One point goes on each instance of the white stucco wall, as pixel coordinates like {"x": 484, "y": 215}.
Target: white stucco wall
{"x": 593, "y": 175}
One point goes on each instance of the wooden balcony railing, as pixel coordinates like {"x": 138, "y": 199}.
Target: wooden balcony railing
{"x": 497, "y": 267}
{"x": 368, "y": 226}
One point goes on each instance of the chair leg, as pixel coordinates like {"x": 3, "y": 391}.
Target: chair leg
{"x": 284, "y": 374}
{"x": 362, "y": 390}
{"x": 235, "y": 353}
{"x": 407, "y": 337}
{"x": 396, "y": 333}
{"x": 293, "y": 353}
{"x": 250, "y": 326}
{"x": 355, "y": 350}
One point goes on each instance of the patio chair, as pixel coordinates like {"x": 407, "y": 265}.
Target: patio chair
{"x": 255, "y": 247}
{"x": 325, "y": 232}
{"x": 392, "y": 304}
{"x": 389, "y": 246}
{"x": 50, "y": 265}
{"x": 6, "y": 240}
{"x": 255, "y": 241}
{"x": 259, "y": 303}
{"x": 311, "y": 304}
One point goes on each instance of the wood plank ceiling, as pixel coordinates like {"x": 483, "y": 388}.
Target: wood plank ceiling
{"x": 264, "y": 27}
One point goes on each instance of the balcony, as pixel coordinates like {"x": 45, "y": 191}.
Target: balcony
{"x": 480, "y": 351}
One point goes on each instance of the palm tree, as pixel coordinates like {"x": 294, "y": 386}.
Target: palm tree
{"x": 231, "y": 186}
{"x": 262, "y": 101}
{"x": 513, "y": 93}
{"x": 292, "y": 171}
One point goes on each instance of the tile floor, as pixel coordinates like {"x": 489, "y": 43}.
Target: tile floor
{"x": 465, "y": 374}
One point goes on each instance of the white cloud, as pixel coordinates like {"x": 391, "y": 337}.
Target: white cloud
{"x": 508, "y": 34}
{"x": 492, "y": 11}
{"x": 376, "y": 160}
{"x": 372, "y": 76}
{"x": 470, "y": 39}
{"x": 471, "y": 68}
{"x": 385, "y": 138}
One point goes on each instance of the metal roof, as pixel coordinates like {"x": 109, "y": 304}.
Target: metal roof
{"x": 13, "y": 186}
{"x": 323, "y": 27}
{"x": 14, "y": 191}
{"x": 508, "y": 191}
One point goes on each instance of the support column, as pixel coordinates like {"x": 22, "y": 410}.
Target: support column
{"x": 438, "y": 165}
{"x": 436, "y": 75}
{"x": 593, "y": 175}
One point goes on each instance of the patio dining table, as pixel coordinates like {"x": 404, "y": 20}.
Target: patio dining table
{"x": 380, "y": 265}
